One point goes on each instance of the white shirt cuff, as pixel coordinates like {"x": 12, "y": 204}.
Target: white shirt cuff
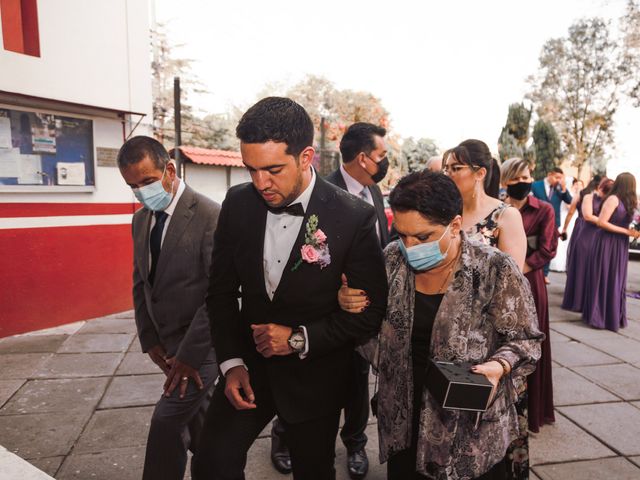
{"x": 229, "y": 364}
{"x": 305, "y": 352}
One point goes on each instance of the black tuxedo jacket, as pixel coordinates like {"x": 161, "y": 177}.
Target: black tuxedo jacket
{"x": 337, "y": 179}
{"x": 302, "y": 389}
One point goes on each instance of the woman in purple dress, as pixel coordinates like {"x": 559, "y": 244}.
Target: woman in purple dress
{"x": 589, "y": 203}
{"x": 606, "y": 281}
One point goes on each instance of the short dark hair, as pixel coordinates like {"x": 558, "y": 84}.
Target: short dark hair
{"x": 555, "y": 170}
{"x": 280, "y": 120}
{"x": 359, "y": 138}
{"x": 137, "y": 148}
{"x": 432, "y": 194}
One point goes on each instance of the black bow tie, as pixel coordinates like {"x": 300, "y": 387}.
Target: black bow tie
{"x": 296, "y": 210}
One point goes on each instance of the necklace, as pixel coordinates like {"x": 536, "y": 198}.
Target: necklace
{"x": 441, "y": 289}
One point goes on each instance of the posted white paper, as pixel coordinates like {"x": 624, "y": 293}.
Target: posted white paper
{"x": 9, "y": 162}
{"x": 70, "y": 173}
{"x": 30, "y": 167}
{"x": 5, "y": 133}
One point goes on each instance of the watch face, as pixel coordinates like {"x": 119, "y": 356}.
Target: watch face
{"x": 297, "y": 341}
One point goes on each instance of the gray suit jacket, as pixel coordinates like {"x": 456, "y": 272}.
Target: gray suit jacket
{"x": 172, "y": 312}
{"x": 336, "y": 178}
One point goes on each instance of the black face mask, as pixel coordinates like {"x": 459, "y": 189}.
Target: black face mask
{"x": 519, "y": 191}
{"x": 383, "y": 167}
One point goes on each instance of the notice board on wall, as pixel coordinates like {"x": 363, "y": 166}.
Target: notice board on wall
{"x": 44, "y": 149}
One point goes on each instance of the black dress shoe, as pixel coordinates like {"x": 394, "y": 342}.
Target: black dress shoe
{"x": 281, "y": 459}
{"x": 282, "y": 462}
{"x": 358, "y": 464}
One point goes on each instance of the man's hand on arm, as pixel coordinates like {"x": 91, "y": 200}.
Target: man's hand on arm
{"x": 180, "y": 373}
{"x": 272, "y": 339}
{"x": 238, "y": 388}
{"x": 159, "y": 357}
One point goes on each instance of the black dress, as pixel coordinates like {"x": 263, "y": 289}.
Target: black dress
{"x": 402, "y": 465}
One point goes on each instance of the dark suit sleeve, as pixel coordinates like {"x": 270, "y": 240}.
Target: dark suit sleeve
{"x": 196, "y": 344}
{"x": 146, "y": 329}
{"x": 547, "y": 239}
{"x": 224, "y": 290}
{"x": 364, "y": 268}
{"x": 566, "y": 196}
{"x": 538, "y": 191}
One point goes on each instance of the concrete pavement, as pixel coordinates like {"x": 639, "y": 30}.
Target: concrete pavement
{"x": 75, "y": 402}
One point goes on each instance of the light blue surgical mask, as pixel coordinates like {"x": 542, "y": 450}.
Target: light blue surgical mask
{"x": 154, "y": 196}
{"x": 425, "y": 256}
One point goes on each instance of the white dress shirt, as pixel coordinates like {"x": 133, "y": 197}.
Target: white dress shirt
{"x": 354, "y": 187}
{"x": 169, "y": 211}
{"x": 547, "y": 188}
{"x": 281, "y": 232}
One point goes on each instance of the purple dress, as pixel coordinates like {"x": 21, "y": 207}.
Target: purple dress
{"x": 575, "y": 232}
{"x": 578, "y": 258}
{"x": 605, "y": 302}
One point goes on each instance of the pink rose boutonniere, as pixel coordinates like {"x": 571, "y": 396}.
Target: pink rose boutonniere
{"x": 315, "y": 248}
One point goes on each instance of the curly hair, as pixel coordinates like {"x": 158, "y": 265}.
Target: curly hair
{"x": 279, "y": 120}
{"x": 432, "y": 194}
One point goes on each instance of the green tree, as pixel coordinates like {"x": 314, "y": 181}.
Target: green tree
{"x": 414, "y": 154}
{"x": 210, "y": 131}
{"x": 630, "y": 31}
{"x": 547, "y": 148}
{"x": 518, "y": 120}
{"x": 514, "y": 138}
{"x": 508, "y": 146}
{"x": 578, "y": 87}
{"x": 164, "y": 67}
{"x": 213, "y": 131}
{"x": 339, "y": 108}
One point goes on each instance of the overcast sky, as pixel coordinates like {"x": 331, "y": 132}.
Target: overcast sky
{"x": 444, "y": 70}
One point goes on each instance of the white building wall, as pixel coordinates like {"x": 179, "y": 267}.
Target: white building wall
{"x": 239, "y": 175}
{"x": 207, "y": 179}
{"x": 95, "y": 53}
{"x": 212, "y": 181}
{"x": 92, "y": 52}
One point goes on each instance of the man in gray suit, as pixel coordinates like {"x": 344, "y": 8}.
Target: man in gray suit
{"x": 173, "y": 241}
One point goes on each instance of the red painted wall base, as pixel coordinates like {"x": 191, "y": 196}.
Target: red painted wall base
{"x": 52, "y": 276}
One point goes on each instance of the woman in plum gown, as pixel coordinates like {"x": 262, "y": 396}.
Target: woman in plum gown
{"x": 589, "y": 203}
{"x": 606, "y": 280}
{"x": 538, "y": 218}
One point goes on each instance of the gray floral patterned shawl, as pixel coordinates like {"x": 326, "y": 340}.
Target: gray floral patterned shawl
{"x": 487, "y": 312}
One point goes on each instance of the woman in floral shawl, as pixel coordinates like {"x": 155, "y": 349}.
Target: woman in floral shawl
{"x": 450, "y": 299}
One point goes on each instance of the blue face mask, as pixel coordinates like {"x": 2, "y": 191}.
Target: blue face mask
{"x": 425, "y": 256}
{"x": 154, "y": 196}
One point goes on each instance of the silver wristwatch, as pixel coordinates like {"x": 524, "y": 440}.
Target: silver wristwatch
{"x": 297, "y": 341}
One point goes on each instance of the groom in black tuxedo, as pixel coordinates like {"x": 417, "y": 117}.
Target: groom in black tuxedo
{"x": 281, "y": 246}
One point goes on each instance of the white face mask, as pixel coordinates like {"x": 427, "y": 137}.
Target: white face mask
{"x": 154, "y": 196}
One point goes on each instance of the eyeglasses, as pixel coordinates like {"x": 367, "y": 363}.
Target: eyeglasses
{"x": 452, "y": 169}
